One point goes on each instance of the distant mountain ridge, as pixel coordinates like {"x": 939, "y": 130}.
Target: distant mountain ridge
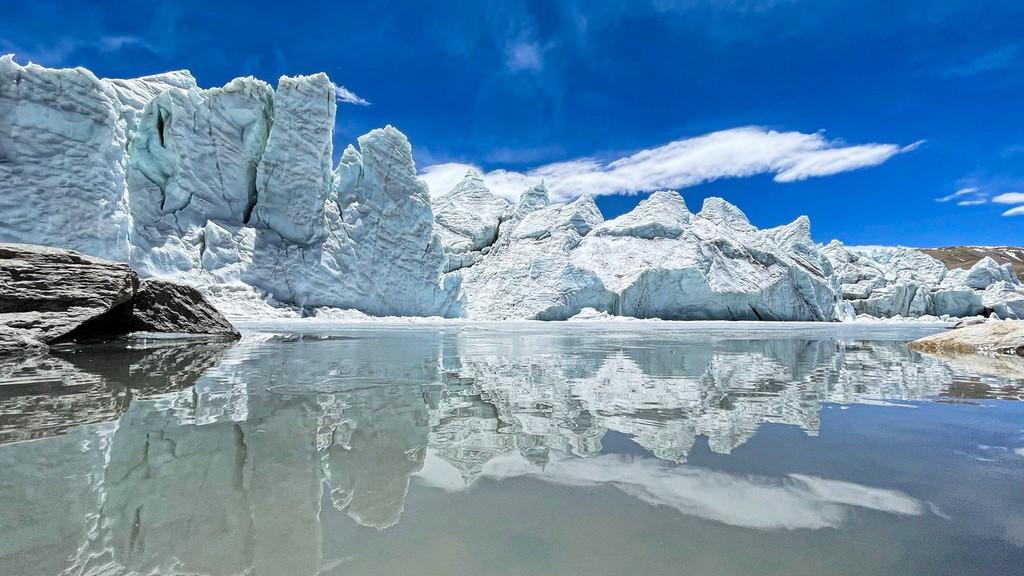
{"x": 967, "y": 256}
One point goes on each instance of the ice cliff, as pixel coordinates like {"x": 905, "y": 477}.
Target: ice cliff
{"x": 230, "y": 188}
{"x": 658, "y": 261}
{"x": 886, "y": 282}
{"x": 234, "y": 190}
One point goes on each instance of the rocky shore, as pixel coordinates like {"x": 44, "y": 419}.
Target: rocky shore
{"x": 50, "y": 296}
{"x": 990, "y": 338}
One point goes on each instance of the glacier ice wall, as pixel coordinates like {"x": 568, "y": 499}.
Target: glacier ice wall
{"x": 661, "y": 261}
{"x": 193, "y": 159}
{"x": 233, "y": 189}
{"x": 62, "y": 151}
{"x": 219, "y": 187}
{"x": 295, "y": 170}
{"x": 527, "y": 272}
{"x": 902, "y": 282}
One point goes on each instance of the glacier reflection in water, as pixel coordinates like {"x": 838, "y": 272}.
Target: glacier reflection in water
{"x": 462, "y": 449}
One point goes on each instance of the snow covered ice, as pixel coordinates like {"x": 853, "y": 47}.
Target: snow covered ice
{"x": 232, "y": 189}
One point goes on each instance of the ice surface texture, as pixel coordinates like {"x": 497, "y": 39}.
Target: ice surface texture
{"x": 232, "y": 189}
{"x": 896, "y": 281}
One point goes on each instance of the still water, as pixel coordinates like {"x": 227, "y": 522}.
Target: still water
{"x": 563, "y": 449}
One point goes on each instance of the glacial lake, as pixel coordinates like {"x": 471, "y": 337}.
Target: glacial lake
{"x": 604, "y": 448}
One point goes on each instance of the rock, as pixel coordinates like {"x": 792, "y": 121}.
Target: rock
{"x": 14, "y": 341}
{"x": 49, "y": 296}
{"x": 49, "y": 293}
{"x": 968, "y": 322}
{"x": 1000, "y": 337}
{"x": 161, "y": 306}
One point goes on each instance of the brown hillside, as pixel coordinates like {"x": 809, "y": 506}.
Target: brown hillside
{"x": 967, "y": 256}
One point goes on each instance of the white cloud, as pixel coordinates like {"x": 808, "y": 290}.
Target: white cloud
{"x": 349, "y": 97}
{"x": 523, "y": 55}
{"x": 734, "y": 153}
{"x": 1009, "y": 198}
{"x": 976, "y": 202}
{"x": 958, "y": 194}
{"x": 827, "y": 162}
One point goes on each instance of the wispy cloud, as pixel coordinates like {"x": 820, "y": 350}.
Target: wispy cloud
{"x": 969, "y": 196}
{"x": 1004, "y": 57}
{"x": 735, "y": 153}
{"x": 524, "y": 55}
{"x": 974, "y": 196}
{"x": 57, "y": 53}
{"x": 958, "y": 194}
{"x": 349, "y": 97}
{"x": 505, "y": 155}
{"x": 115, "y": 43}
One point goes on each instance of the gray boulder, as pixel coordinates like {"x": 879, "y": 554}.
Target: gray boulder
{"x": 48, "y": 292}
{"x": 161, "y": 306}
{"x": 48, "y": 296}
{"x": 13, "y": 340}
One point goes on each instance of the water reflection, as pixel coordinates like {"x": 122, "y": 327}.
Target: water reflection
{"x": 282, "y": 433}
{"x": 43, "y": 396}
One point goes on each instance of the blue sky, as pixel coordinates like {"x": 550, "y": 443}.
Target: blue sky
{"x": 859, "y": 114}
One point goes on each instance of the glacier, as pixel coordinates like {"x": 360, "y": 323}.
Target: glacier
{"x": 234, "y": 190}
